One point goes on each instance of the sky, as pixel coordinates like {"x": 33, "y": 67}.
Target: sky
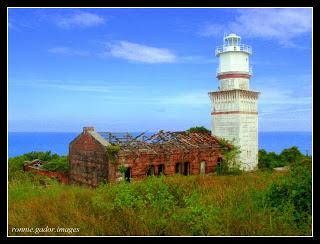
{"x": 129, "y": 70}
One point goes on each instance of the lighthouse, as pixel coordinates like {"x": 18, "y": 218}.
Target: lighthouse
{"x": 234, "y": 106}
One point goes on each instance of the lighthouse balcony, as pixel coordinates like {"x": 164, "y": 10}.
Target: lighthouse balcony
{"x": 236, "y": 48}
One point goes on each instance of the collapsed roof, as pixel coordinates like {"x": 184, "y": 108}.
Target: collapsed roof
{"x": 163, "y": 139}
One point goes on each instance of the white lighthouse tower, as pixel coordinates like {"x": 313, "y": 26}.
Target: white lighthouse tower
{"x": 234, "y": 105}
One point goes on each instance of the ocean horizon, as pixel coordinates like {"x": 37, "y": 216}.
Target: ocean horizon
{"x": 58, "y": 142}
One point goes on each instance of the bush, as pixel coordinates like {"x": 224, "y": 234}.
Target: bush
{"x": 60, "y": 164}
{"x": 268, "y": 161}
{"x": 294, "y": 192}
{"x": 56, "y": 162}
{"x": 230, "y": 164}
{"x": 112, "y": 151}
{"x": 198, "y": 129}
{"x": 288, "y": 156}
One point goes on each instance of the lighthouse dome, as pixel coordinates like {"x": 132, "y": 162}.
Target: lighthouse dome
{"x": 232, "y": 39}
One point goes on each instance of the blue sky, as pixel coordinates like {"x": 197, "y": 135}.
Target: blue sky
{"x": 151, "y": 69}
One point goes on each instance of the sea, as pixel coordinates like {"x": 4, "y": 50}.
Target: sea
{"x": 58, "y": 142}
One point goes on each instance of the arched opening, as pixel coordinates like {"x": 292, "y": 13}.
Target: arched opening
{"x": 127, "y": 174}
{"x": 150, "y": 171}
{"x": 178, "y": 168}
{"x": 160, "y": 169}
{"x": 202, "y": 167}
{"x": 218, "y": 168}
{"x": 186, "y": 168}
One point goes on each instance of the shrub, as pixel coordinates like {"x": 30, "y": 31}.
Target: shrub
{"x": 56, "y": 162}
{"x": 270, "y": 160}
{"x": 290, "y": 155}
{"x": 112, "y": 151}
{"x": 198, "y": 129}
{"x": 294, "y": 192}
{"x": 43, "y": 156}
{"x": 122, "y": 169}
{"x": 60, "y": 164}
{"x": 230, "y": 159}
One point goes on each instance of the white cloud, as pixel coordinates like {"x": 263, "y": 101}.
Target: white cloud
{"x": 140, "y": 53}
{"x": 68, "y": 51}
{"x": 280, "y": 24}
{"x": 78, "y": 19}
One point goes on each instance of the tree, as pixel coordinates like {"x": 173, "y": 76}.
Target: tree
{"x": 264, "y": 161}
{"x": 291, "y": 155}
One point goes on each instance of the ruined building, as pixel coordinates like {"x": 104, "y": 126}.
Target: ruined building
{"x": 97, "y": 157}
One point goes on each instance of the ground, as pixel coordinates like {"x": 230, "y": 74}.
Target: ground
{"x": 175, "y": 205}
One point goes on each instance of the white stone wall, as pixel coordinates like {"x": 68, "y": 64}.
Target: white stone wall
{"x": 234, "y": 101}
{"x": 234, "y": 83}
{"x": 236, "y": 119}
{"x": 234, "y": 61}
{"x": 226, "y": 126}
{"x": 248, "y": 141}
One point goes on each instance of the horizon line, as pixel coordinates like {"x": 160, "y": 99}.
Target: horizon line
{"x": 137, "y": 131}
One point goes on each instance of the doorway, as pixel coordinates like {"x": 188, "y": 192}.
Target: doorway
{"x": 178, "y": 168}
{"x": 202, "y": 167}
{"x": 127, "y": 174}
{"x": 150, "y": 171}
{"x": 160, "y": 169}
{"x": 186, "y": 168}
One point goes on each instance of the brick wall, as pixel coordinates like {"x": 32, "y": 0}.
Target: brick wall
{"x": 51, "y": 174}
{"x": 88, "y": 161}
{"x": 140, "y": 164}
{"x": 89, "y": 164}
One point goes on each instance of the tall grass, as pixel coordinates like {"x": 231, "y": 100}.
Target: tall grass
{"x": 177, "y": 205}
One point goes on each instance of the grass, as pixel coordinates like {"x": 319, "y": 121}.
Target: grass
{"x": 177, "y": 205}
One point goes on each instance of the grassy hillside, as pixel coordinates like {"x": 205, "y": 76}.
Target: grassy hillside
{"x": 260, "y": 203}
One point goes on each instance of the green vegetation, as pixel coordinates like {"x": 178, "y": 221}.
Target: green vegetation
{"x": 112, "y": 151}
{"x": 122, "y": 169}
{"x": 230, "y": 164}
{"x": 287, "y": 157}
{"x": 292, "y": 195}
{"x": 198, "y": 129}
{"x": 55, "y": 162}
{"x": 60, "y": 164}
{"x": 256, "y": 203}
